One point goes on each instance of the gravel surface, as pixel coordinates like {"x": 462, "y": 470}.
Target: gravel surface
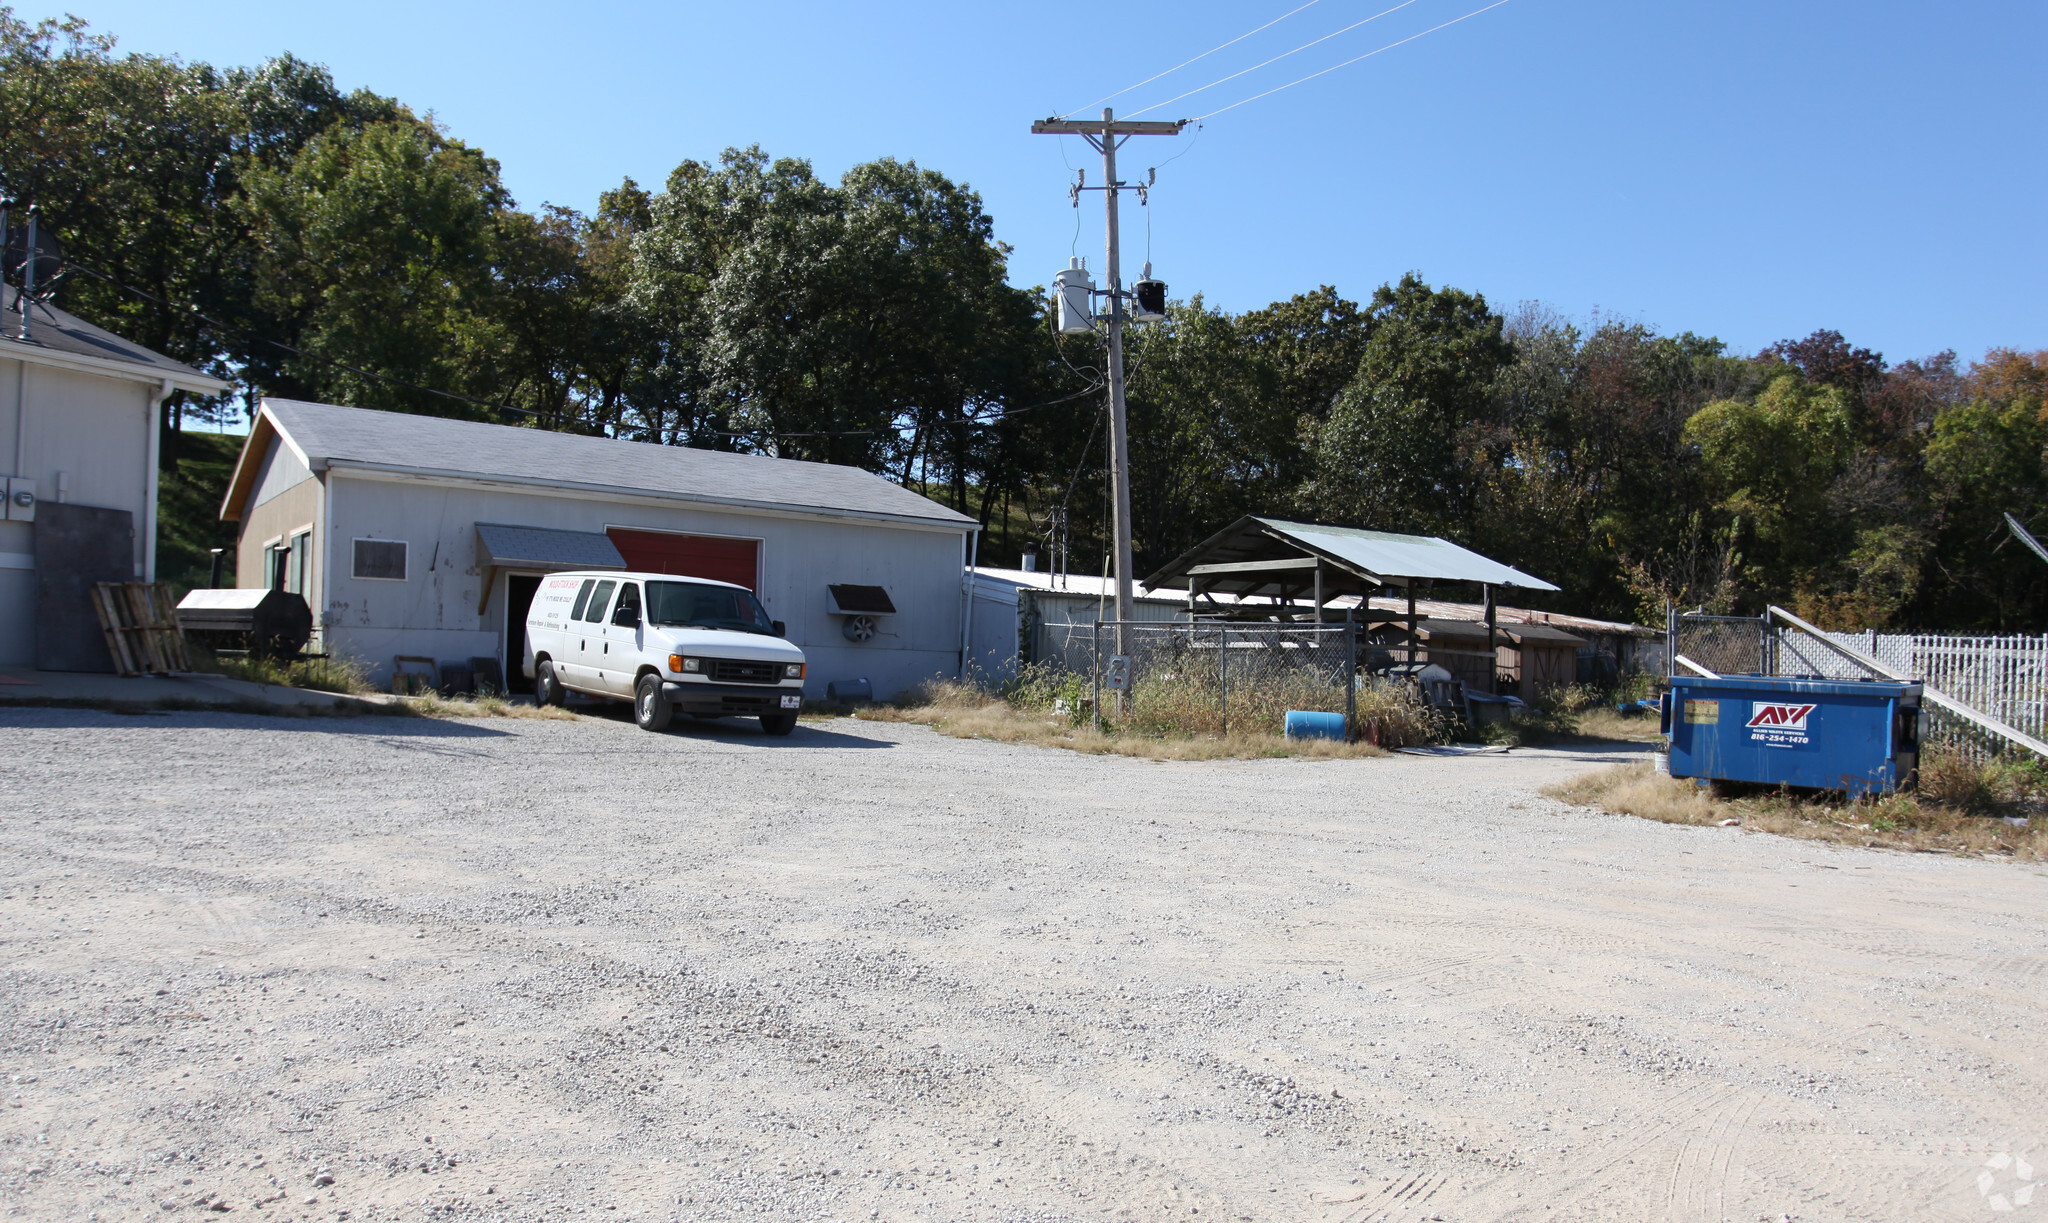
{"x": 393, "y": 969}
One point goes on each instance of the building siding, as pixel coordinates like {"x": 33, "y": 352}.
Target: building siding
{"x": 290, "y": 510}
{"x": 95, "y": 431}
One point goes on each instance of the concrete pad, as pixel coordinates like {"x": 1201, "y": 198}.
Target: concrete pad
{"x": 27, "y": 686}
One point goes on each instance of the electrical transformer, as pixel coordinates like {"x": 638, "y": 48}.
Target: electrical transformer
{"x": 1075, "y": 288}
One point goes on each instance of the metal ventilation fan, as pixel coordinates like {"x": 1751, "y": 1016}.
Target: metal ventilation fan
{"x": 858, "y": 628}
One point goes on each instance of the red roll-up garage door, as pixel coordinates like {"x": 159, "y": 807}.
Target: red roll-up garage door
{"x": 695, "y": 556}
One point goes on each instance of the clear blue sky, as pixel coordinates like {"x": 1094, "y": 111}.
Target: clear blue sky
{"x": 1747, "y": 169}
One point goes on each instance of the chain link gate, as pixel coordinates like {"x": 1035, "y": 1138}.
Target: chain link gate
{"x": 1725, "y": 645}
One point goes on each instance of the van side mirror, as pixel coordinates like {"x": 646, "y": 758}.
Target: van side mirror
{"x": 626, "y": 616}
{"x": 779, "y": 628}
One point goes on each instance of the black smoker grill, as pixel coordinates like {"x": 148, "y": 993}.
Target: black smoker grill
{"x": 267, "y": 623}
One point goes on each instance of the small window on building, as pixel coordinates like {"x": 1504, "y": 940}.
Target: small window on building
{"x": 299, "y": 568}
{"x": 381, "y": 560}
{"x": 273, "y": 563}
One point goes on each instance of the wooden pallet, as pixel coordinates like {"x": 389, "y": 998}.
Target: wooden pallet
{"x": 140, "y": 620}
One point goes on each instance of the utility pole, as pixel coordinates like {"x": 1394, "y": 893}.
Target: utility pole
{"x": 1105, "y": 135}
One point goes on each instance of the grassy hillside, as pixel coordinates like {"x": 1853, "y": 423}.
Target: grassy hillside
{"x": 188, "y": 510}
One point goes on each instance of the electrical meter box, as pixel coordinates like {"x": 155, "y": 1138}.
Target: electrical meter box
{"x": 1855, "y": 736}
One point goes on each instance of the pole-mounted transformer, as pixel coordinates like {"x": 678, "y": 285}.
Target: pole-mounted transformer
{"x": 1076, "y": 292}
{"x": 1148, "y": 299}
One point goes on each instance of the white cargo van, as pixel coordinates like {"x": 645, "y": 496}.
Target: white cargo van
{"x": 668, "y": 644}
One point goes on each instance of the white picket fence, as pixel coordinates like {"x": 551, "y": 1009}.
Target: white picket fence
{"x": 2004, "y": 677}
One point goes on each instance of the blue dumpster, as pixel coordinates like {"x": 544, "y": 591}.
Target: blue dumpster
{"x": 1859, "y": 737}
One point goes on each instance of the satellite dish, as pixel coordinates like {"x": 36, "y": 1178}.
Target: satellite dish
{"x": 858, "y": 628}
{"x": 48, "y": 255}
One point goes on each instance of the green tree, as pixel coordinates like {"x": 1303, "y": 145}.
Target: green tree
{"x": 375, "y": 251}
{"x": 1389, "y": 454}
{"x": 1769, "y": 462}
{"x": 867, "y": 323}
{"x": 1984, "y": 460}
{"x": 136, "y": 162}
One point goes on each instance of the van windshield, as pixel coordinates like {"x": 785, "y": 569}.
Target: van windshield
{"x": 693, "y": 605}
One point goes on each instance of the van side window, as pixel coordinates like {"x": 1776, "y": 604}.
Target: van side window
{"x": 629, "y": 597}
{"x": 582, "y": 597}
{"x": 598, "y": 599}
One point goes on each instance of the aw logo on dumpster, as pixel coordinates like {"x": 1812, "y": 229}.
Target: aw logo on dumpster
{"x": 1775, "y": 724}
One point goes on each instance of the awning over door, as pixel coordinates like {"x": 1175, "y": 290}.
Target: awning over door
{"x": 509, "y": 547}
{"x": 502, "y": 546}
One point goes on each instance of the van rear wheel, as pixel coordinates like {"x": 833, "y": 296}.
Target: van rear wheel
{"x": 547, "y": 688}
{"x": 778, "y": 723}
{"x": 650, "y": 704}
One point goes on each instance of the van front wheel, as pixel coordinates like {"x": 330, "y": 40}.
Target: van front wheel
{"x": 547, "y": 688}
{"x": 650, "y": 704}
{"x": 778, "y": 723}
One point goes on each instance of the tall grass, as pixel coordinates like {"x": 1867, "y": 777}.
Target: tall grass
{"x": 343, "y": 675}
{"x": 1169, "y": 714}
{"x": 1959, "y": 807}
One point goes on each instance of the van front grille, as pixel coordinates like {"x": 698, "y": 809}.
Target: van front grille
{"x": 734, "y": 671}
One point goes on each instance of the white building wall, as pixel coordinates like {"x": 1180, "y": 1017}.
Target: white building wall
{"x": 434, "y": 611}
{"x": 95, "y": 431}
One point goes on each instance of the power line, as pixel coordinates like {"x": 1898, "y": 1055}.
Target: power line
{"x": 1276, "y": 59}
{"x": 75, "y": 266}
{"x": 1184, "y": 63}
{"x": 937, "y": 424}
{"x": 506, "y": 407}
{"x": 1347, "y": 63}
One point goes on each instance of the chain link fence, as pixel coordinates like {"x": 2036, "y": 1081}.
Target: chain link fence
{"x": 2002, "y": 677}
{"x": 1208, "y": 677}
{"x": 1725, "y": 645}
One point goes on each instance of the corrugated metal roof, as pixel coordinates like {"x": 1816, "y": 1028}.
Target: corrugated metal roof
{"x": 1272, "y": 556}
{"x": 328, "y": 434}
{"x": 1512, "y": 634}
{"x": 545, "y": 547}
{"x": 1438, "y": 610}
{"x": 1409, "y": 556}
{"x": 1078, "y": 585}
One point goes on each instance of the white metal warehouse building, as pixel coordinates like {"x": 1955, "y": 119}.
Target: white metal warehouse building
{"x": 426, "y": 537}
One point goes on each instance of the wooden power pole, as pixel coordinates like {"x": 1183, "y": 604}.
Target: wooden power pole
{"x": 1105, "y": 134}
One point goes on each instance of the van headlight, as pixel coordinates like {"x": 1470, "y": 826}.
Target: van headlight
{"x": 794, "y": 670}
{"x": 685, "y": 666}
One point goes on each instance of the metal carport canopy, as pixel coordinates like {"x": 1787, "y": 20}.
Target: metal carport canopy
{"x": 1251, "y": 555}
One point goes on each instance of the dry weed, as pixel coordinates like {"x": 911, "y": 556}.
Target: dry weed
{"x": 1899, "y": 821}
{"x": 489, "y": 705}
{"x": 966, "y": 712}
{"x": 345, "y": 676}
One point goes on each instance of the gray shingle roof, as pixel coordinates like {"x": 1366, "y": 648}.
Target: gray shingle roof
{"x": 458, "y": 449}
{"x": 57, "y": 331}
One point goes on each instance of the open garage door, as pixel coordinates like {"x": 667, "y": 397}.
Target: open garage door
{"x": 694, "y": 556}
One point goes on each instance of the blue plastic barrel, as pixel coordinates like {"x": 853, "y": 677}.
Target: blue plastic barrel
{"x": 1302, "y": 724}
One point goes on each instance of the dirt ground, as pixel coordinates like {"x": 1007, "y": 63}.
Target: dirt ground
{"x": 407, "y": 969}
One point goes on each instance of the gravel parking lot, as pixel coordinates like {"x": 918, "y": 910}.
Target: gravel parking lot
{"x": 392, "y": 969}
